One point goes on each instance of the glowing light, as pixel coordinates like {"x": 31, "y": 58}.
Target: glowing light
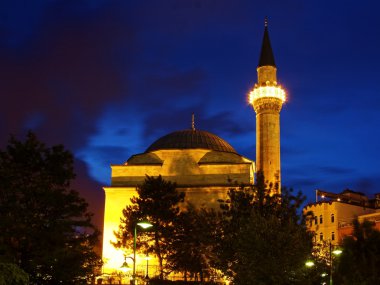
{"x": 145, "y": 225}
{"x": 267, "y": 91}
{"x": 309, "y": 263}
{"x": 337, "y": 251}
{"x": 324, "y": 274}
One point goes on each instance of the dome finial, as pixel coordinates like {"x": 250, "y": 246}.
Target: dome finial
{"x": 266, "y": 22}
{"x": 193, "y": 122}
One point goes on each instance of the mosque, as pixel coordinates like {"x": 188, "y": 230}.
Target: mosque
{"x": 201, "y": 163}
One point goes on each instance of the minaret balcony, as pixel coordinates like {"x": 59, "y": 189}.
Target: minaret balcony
{"x": 267, "y": 92}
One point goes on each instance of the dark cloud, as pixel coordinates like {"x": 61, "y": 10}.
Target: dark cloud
{"x": 335, "y": 170}
{"x": 223, "y": 124}
{"x": 91, "y": 191}
{"x": 64, "y": 74}
{"x": 301, "y": 183}
{"x": 176, "y": 83}
{"x": 367, "y": 185}
{"x": 226, "y": 123}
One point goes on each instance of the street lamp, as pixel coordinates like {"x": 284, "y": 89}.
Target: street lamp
{"x": 143, "y": 225}
{"x": 147, "y": 265}
{"x": 335, "y": 252}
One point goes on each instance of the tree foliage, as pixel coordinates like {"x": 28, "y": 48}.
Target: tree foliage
{"x": 12, "y": 274}
{"x": 359, "y": 262}
{"x": 264, "y": 238}
{"x": 194, "y": 237}
{"x": 45, "y": 227}
{"x": 157, "y": 202}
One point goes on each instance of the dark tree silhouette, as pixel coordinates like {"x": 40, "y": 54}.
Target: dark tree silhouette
{"x": 359, "y": 262}
{"x": 193, "y": 241}
{"x": 157, "y": 202}
{"x": 45, "y": 227}
{"x": 265, "y": 239}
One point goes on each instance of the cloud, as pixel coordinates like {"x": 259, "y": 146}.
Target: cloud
{"x": 302, "y": 183}
{"x": 335, "y": 170}
{"x": 57, "y": 81}
{"x": 91, "y": 191}
{"x": 176, "y": 82}
{"x": 99, "y": 159}
{"x": 368, "y": 185}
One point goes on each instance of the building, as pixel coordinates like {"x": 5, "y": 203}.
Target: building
{"x": 333, "y": 214}
{"x": 202, "y": 164}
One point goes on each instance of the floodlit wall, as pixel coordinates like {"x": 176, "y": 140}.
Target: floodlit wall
{"x": 204, "y": 175}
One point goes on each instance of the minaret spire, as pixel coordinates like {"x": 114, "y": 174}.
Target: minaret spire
{"x": 266, "y": 55}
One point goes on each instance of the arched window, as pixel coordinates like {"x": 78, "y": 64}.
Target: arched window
{"x": 332, "y": 218}
{"x": 316, "y": 220}
{"x": 332, "y": 236}
{"x": 321, "y": 236}
{"x": 320, "y": 219}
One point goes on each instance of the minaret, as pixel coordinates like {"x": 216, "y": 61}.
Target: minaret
{"x": 267, "y": 98}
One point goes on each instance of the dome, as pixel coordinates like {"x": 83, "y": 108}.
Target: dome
{"x": 190, "y": 139}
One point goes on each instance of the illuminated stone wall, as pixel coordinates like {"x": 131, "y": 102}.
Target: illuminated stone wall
{"x": 204, "y": 175}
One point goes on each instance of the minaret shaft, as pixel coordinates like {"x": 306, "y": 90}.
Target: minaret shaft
{"x": 268, "y": 143}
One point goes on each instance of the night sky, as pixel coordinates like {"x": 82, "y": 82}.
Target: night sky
{"x": 108, "y": 78}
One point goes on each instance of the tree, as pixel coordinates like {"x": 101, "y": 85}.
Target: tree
{"x": 264, "y": 238}
{"x": 359, "y": 262}
{"x": 11, "y": 274}
{"x": 193, "y": 240}
{"x": 45, "y": 227}
{"x": 157, "y": 202}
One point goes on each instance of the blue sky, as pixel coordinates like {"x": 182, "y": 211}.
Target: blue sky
{"x": 108, "y": 78}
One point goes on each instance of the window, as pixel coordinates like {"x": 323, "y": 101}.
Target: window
{"x": 332, "y": 236}
{"x": 320, "y": 219}
{"x": 332, "y": 218}
{"x": 321, "y": 236}
{"x": 316, "y": 220}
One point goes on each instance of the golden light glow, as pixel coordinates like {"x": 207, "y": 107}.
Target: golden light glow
{"x": 267, "y": 91}
{"x": 145, "y": 225}
{"x": 337, "y": 251}
{"x": 309, "y": 263}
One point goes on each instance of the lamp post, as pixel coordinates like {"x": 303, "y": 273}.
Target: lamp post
{"x": 147, "y": 265}
{"x": 125, "y": 267}
{"x": 144, "y": 225}
{"x": 335, "y": 252}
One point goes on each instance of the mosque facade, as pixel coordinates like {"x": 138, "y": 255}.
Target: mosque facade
{"x": 202, "y": 164}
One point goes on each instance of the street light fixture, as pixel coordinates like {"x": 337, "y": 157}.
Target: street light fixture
{"x": 144, "y": 225}
{"x": 335, "y": 252}
{"x": 125, "y": 267}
